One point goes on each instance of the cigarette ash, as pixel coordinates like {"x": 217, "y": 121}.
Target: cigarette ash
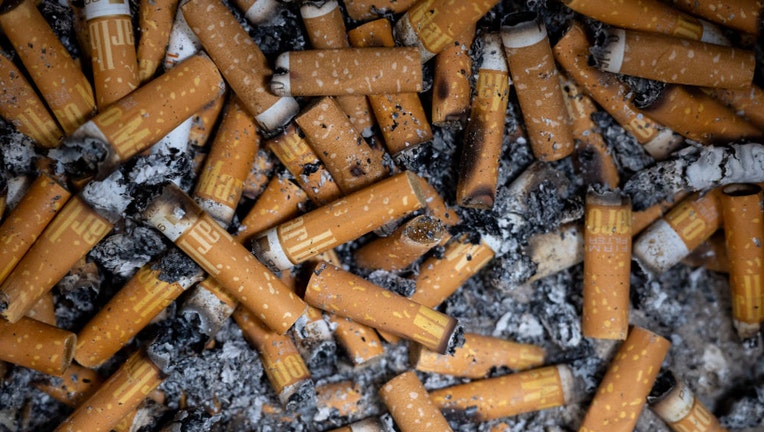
{"x": 17, "y": 151}
{"x": 123, "y": 253}
{"x": 175, "y": 266}
{"x": 30, "y": 408}
{"x": 76, "y": 296}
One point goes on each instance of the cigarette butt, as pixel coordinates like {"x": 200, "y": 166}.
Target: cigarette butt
{"x": 748, "y": 102}
{"x": 77, "y": 383}
{"x": 240, "y": 61}
{"x": 294, "y": 152}
{"x": 477, "y": 357}
{"x": 644, "y": 218}
{"x": 80, "y": 28}
{"x": 183, "y": 42}
{"x": 607, "y": 265}
{"x": 210, "y": 304}
{"x": 281, "y": 201}
{"x": 36, "y": 345}
{"x": 437, "y": 208}
{"x": 678, "y": 406}
{"x": 363, "y": 10}
{"x": 347, "y": 71}
{"x": 209, "y": 245}
{"x": 481, "y": 147}
{"x": 155, "y": 19}
{"x": 339, "y": 222}
{"x": 739, "y": 15}
{"x": 555, "y": 251}
{"x": 401, "y": 117}
{"x": 66, "y": 239}
{"x": 742, "y": 217}
{"x": 335, "y": 290}
{"x": 366, "y": 425}
{"x": 119, "y": 395}
{"x": 21, "y": 107}
{"x": 44, "y": 310}
{"x": 258, "y": 11}
{"x": 259, "y": 176}
{"x": 361, "y": 343}
{"x": 507, "y": 395}
{"x": 313, "y": 337}
{"x": 42, "y": 201}
{"x": 451, "y": 82}
{"x": 343, "y": 399}
{"x": 56, "y": 75}
{"x": 622, "y": 393}
{"x": 410, "y": 405}
{"x": 204, "y": 121}
{"x": 711, "y": 254}
{"x": 404, "y": 246}
{"x": 431, "y": 25}
{"x": 535, "y": 76}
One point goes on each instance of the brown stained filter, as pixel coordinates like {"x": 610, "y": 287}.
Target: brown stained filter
{"x": 53, "y": 71}
{"x": 477, "y": 357}
{"x": 535, "y": 76}
{"x": 66, "y": 239}
{"x": 44, "y": 310}
{"x": 556, "y": 250}
{"x": 481, "y": 147}
{"x": 77, "y": 383}
{"x": 334, "y": 290}
{"x": 339, "y": 222}
{"x": 281, "y": 201}
{"x": 741, "y": 206}
{"x": 36, "y": 345}
{"x": 622, "y": 393}
{"x": 259, "y": 176}
{"x": 228, "y": 163}
{"x": 361, "y": 343}
{"x": 682, "y": 411}
{"x": 209, "y": 245}
{"x": 367, "y": 425}
{"x": 112, "y": 48}
{"x": 401, "y": 248}
{"x": 294, "y": 152}
{"x": 155, "y": 19}
{"x": 451, "y": 83}
{"x": 507, "y": 395}
{"x": 740, "y": 15}
{"x": 122, "y": 392}
{"x": 352, "y": 162}
{"x": 204, "y": 121}
{"x": 748, "y": 102}
{"x": 347, "y": 71}
{"x": 344, "y": 398}
{"x": 431, "y": 25}
{"x": 42, "y": 201}
{"x": 21, "y": 107}
{"x": 400, "y": 116}
{"x": 363, "y": 10}
{"x": 410, "y": 405}
{"x": 240, "y": 61}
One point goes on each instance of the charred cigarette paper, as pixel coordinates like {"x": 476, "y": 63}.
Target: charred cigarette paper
{"x": 741, "y": 206}
{"x": 748, "y": 102}
{"x": 363, "y": 10}
{"x": 743, "y": 15}
{"x": 67, "y": 238}
{"x": 555, "y": 251}
{"x": 294, "y": 152}
{"x": 607, "y": 265}
{"x": 451, "y": 83}
{"x": 401, "y": 117}
{"x": 259, "y": 11}
{"x": 404, "y": 246}
{"x": 623, "y": 391}
{"x": 286, "y": 370}
{"x": 535, "y": 76}
{"x": 351, "y": 160}
{"x": 112, "y": 47}
{"x": 507, "y": 395}
{"x": 347, "y": 71}
{"x": 259, "y": 176}
{"x": 204, "y": 121}
{"x": 77, "y": 384}
{"x": 477, "y": 357}
{"x": 367, "y": 425}
{"x": 678, "y": 406}
{"x": 155, "y": 19}
{"x": 339, "y": 222}
{"x": 36, "y": 345}
{"x": 240, "y": 61}
{"x": 56, "y": 75}
{"x": 481, "y": 147}
{"x": 671, "y": 238}
{"x": 335, "y": 290}
{"x": 281, "y": 201}
{"x": 119, "y": 395}
{"x": 178, "y": 217}
{"x": 431, "y": 25}
{"x": 361, "y": 343}
{"x": 410, "y": 405}
{"x": 42, "y": 201}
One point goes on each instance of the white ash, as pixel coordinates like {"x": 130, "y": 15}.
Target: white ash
{"x": 123, "y": 253}
{"x": 558, "y": 309}
{"x": 746, "y": 411}
{"x": 79, "y": 157}
{"x": 628, "y": 154}
{"x": 30, "y": 409}
{"x": 17, "y": 152}
{"x": 76, "y": 299}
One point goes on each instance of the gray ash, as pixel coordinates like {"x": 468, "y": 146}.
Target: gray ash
{"x": 629, "y": 156}
{"x": 392, "y": 282}
{"x": 175, "y": 265}
{"x": 17, "y": 152}
{"x": 122, "y": 254}
{"x": 79, "y": 157}
{"x": 29, "y": 409}
{"x": 176, "y": 340}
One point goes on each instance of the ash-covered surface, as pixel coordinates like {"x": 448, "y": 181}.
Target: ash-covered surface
{"x": 220, "y": 385}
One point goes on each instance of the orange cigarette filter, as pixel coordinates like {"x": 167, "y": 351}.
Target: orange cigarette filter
{"x": 204, "y": 121}
{"x": 607, "y": 265}
{"x": 155, "y": 19}
{"x": 209, "y": 245}
{"x": 339, "y": 222}
{"x": 119, "y": 395}
{"x": 351, "y": 160}
{"x": 401, "y": 248}
{"x": 410, "y": 405}
{"x": 21, "y": 107}
{"x": 43, "y": 200}
{"x": 281, "y": 201}
{"x": 740, "y": 15}
{"x": 477, "y": 357}
{"x": 401, "y": 117}
{"x": 259, "y": 176}
{"x": 294, "y": 152}
{"x": 258, "y": 11}
{"x": 240, "y": 61}
{"x": 361, "y": 343}
{"x": 36, "y": 345}
{"x": 346, "y": 71}
{"x": 481, "y": 147}
{"x": 77, "y": 383}
{"x": 644, "y": 218}
{"x": 748, "y": 102}
{"x": 451, "y": 82}
{"x": 54, "y": 72}
{"x": 66, "y": 239}
{"x": 343, "y": 398}
{"x": 622, "y": 393}
{"x": 366, "y": 425}
{"x": 44, "y": 310}
{"x": 680, "y": 408}
{"x": 431, "y": 25}
{"x": 507, "y": 395}
{"x": 743, "y": 230}
{"x": 533, "y": 71}
{"x": 228, "y": 163}
{"x": 363, "y": 10}
{"x": 437, "y": 208}
{"x": 335, "y": 290}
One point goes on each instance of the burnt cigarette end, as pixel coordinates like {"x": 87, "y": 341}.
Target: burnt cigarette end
{"x": 301, "y": 397}
{"x": 664, "y": 384}
{"x": 392, "y": 282}
{"x": 176, "y": 266}
{"x": 176, "y": 340}
{"x": 81, "y": 157}
{"x": 741, "y": 190}
{"x": 455, "y": 341}
{"x": 607, "y": 52}
{"x": 521, "y": 18}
